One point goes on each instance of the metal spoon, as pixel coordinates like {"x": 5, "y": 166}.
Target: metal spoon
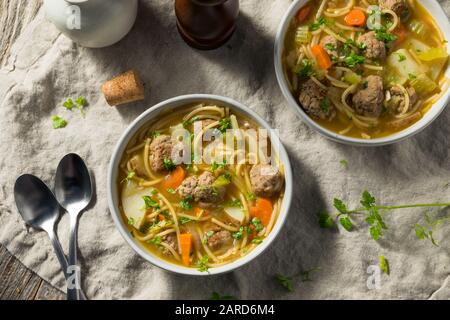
{"x": 73, "y": 190}
{"x": 40, "y": 210}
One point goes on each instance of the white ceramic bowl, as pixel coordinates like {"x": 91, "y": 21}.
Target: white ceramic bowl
{"x": 434, "y": 9}
{"x": 113, "y": 195}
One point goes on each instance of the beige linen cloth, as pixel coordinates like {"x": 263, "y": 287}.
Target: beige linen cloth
{"x": 45, "y": 68}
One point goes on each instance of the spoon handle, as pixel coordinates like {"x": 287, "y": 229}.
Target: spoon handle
{"x": 73, "y": 245}
{"x": 72, "y": 293}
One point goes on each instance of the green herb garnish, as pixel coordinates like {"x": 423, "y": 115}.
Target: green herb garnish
{"x": 58, "y": 122}
{"x": 202, "y": 264}
{"x": 287, "y": 281}
{"x": 325, "y": 220}
{"x": 257, "y": 223}
{"x": 304, "y": 69}
{"x": 68, "y": 104}
{"x": 257, "y": 240}
{"x": 238, "y": 235}
{"x": 131, "y": 221}
{"x": 184, "y": 220}
{"x": 344, "y": 163}
{"x": 130, "y": 175}
{"x": 171, "y": 190}
{"x": 325, "y": 105}
{"x": 384, "y": 264}
{"x": 150, "y": 203}
{"x": 353, "y": 60}
{"x": 224, "y": 124}
{"x": 186, "y": 203}
{"x": 168, "y": 164}
{"x": 156, "y": 240}
{"x": 216, "y": 165}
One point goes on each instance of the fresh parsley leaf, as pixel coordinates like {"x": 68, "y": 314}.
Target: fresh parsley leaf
{"x": 202, "y": 264}
{"x": 187, "y": 123}
{"x": 130, "y": 175}
{"x": 224, "y": 124}
{"x": 238, "y": 235}
{"x": 353, "y": 60}
{"x": 68, "y": 104}
{"x": 384, "y": 264}
{"x": 330, "y": 47}
{"x": 131, "y": 221}
{"x": 304, "y": 69}
{"x": 411, "y": 76}
{"x": 401, "y": 57}
{"x": 322, "y": 21}
{"x": 251, "y": 197}
{"x": 154, "y": 134}
{"x": 340, "y": 205}
{"x": 186, "y": 203}
{"x": 216, "y": 165}
{"x": 235, "y": 203}
{"x": 346, "y": 223}
{"x": 383, "y": 35}
{"x": 156, "y": 240}
{"x": 325, "y": 220}
{"x": 257, "y": 223}
{"x": 150, "y": 203}
{"x": 168, "y": 164}
{"x": 325, "y": 105}
{"x": 171, "y": 190}
{"x": 285, "y": 282}
{"x": 184, "y": 220}
{"x": 344, "y": 163}
{"x": 58, "y": 122}
{"x": 367, "y": 200}
{"x": 81, "y": 101}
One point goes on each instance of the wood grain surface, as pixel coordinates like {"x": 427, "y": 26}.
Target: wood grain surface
{"x": 16, "y": 281}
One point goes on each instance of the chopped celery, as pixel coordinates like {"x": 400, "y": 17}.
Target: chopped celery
{"x": 419, "y": 28}
{"x": 392, "y": 78}
{"x": 423, "y": 84}
{"x": 433, "y": 54}
{"x": 352, "y": 78}
{"x": 405, "y": 67}
{"x": 417, "y": 46}
{"x": 302, "y": 35}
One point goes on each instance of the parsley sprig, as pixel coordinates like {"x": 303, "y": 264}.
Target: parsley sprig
{"x": 374, "y": 218}
{"x": 302, "y": 276}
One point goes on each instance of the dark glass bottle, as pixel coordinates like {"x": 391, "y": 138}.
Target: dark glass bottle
{"x": 206, "y": 24}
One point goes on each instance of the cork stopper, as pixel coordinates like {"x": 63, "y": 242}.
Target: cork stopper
{"x": 124, "y": 88}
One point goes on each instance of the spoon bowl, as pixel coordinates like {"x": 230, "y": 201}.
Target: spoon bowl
{"x": 38, "y": 207}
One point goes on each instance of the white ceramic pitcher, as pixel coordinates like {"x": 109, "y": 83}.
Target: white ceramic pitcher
{"x": 92, "y": 23}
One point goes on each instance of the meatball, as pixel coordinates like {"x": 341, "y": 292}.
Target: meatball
{"x": 374, "y": 48}
{"x": 368, "y": 101}
{"x": 201, "y": 189}
{"x": 160, "y": 150}
{"x": 219, "y": 239}
{"x": 313, "y": 99}
{"x": 400, "y": 7}
{"x": 187, "y": 187}
{"x": 171, "y": 240}
{"x": 331, "y": 45}
{"x": 205, "y": 193}
{"x": 396, "y": 102}
{"x": 137, "y": 164}
{"x": 265, "y": 180}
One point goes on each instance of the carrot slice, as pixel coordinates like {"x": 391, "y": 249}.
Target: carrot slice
{"x": 355, "y": 18}
{"x": 186, "y": 246}
{"x": 303, "y": 13}
{"x": 322, "y": 57}
{"x": 174, "y": 179}
{"x": 200, "y": 212}
{"x": 161, "y": 217}
{"x": 262, "y": 210}
{"x": 401, "y": 34}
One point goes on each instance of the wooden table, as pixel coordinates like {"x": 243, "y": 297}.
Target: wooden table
{"x": 16, "y": 281}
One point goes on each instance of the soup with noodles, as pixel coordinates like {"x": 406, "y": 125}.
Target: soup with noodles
{"x": 365, "y": 68}
{"x": 209, "y": 211}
